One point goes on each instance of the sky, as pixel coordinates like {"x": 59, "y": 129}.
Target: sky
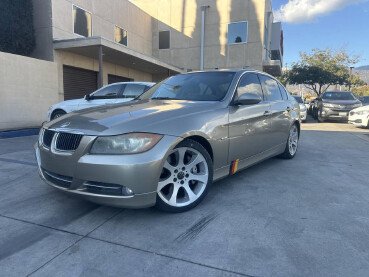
{"x": 309, "y": 24}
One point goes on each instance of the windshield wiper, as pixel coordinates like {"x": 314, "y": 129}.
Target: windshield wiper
{"x": 163, "y": 98}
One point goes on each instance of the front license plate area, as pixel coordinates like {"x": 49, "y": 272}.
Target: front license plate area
{"x": 342, "y": 114}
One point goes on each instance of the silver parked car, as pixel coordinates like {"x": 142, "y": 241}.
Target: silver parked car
{"x": 167, "y": 146}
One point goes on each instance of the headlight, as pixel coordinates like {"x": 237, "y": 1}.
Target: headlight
{"x": 357, "y": 105}
{"x": 40, "y": 135}
{"x": 327, "y": 105}
{"x": 125, "y": 144}
{"x": 362, "y": 112}
{"x": 302, "y": 107}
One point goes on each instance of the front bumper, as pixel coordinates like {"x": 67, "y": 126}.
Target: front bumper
{"x": 76, "y": 172}
{"x": 359, "y": 120}
{"x": 334, "y": 114}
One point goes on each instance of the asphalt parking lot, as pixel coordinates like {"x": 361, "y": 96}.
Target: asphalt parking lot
{"x": 303, "y": 217}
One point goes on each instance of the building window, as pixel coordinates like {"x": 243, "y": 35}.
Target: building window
{"x": 82, "y": 22}
{"x": 237, "y": 32}
{"x": 164, "y": 39}
{"x": 120, "y": 36}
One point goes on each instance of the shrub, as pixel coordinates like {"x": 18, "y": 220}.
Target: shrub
{"x": 17, "y": 34}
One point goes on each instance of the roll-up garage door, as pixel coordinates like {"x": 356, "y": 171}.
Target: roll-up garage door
{"x": 115, "y": 79}
{"x": 78, "y": 82}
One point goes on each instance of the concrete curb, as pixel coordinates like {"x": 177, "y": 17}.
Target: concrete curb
{"x": 19, "y": 133}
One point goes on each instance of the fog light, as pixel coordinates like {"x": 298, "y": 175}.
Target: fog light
{"x": 127, "y": 191}
{"x": 106, "y": 189}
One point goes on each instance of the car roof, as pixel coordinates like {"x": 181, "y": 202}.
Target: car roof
{"x": 240, "y": 71}
{"x": 226, "y": 70}
{"x": 134, "y": 83}
{"x": 338, "y": 91}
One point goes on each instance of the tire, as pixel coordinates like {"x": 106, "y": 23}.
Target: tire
{"x": 177, "y": 192}
{"x": 320, "y": 119}
{"x": 315, "y": 114}
{"x": 292, "y": 137}
{"x": 57, "y": 113}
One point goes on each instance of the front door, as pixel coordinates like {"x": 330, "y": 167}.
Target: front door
{"x": 105, "y": 96}
{"x": 131, "y": 91}
{"x": 280, "y": 111}
{"x": 249, "y": 125}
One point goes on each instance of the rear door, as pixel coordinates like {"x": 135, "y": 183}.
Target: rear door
{"x": 280, "y": 110}
{"x": 249, "y": 125}
{"x": 131, "y": 91}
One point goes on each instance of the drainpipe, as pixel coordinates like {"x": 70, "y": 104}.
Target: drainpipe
{"x": 203, "y": 8}
{"x": 100, "y": 82}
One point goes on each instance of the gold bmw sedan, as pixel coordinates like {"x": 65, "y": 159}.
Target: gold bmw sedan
{"x": 167, "y": 146}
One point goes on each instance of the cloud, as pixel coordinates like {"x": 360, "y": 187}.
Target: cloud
{"x": 301, "y": 11}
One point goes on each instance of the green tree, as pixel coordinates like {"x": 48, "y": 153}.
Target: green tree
{"x": 361, "y": 91}
{"x": 355, "y": 81}
{"x": 321, "y": 69}
{"x": 16, "y": 27}
{"x": 283, "y": 78}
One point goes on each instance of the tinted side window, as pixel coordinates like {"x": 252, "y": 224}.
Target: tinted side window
{"x": 164, "y": 39}
{"x": 133, "y": 90}
{"x": 82, "y": 22}
{"x": 120, "y": 36}
{"x": 108, "y": 92}
{"x": 284, "y": 92}
{"x": 271, "y": 88}
{"x": 249, "y": 84}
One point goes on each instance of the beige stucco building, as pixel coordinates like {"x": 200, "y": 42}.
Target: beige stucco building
{"x": 95, "y": 42}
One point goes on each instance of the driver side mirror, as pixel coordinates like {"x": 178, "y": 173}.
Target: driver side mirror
{"x": 87, "y": 97}
{"x": 248, "y": 99}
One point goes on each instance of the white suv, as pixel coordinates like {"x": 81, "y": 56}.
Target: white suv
{"x": 110, "y": 94}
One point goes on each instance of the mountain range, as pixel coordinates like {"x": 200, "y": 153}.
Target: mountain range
{"x": 364, "y": 67}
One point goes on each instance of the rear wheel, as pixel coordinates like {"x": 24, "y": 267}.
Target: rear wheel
{"x": 292, "y": 143}
{"x": 185, "y": 178}
{"x": 319, "y": 117}
{"x": 57, "y": 113}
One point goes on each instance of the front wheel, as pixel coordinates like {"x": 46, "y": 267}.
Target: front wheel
{"x": 185, "y": 178}
{"x": 57, "y": 113}
{"x": 292, "y": 143}
{"x": 319, "y": 117}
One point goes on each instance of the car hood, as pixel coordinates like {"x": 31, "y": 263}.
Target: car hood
{"x": 68, "y": 103}
{"x": 360, "y": 109}
{"x": 342, "y": 102}
{"x": 135, "y": 116}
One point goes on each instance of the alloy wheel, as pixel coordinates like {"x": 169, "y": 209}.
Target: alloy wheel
{"x": 293, "y": 140}
{"x": 184, "y": 177}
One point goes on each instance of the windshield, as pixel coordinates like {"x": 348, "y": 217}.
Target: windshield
{"x": 364, "y": 99}
{"x": 339, "y": 95}
{"x": 202, "y": 86}
{"x": 299, "y": 99}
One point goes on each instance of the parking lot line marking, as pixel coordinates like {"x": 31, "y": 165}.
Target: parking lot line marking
{"x": 17, "y": 162}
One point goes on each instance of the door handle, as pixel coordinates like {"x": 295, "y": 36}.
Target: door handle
{"x": 266, "y": 113}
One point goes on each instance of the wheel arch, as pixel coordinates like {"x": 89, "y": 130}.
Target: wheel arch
{"x": 204, "y": 142}
{"x": 57, "y": 110}
{"x": 298, "y": 126}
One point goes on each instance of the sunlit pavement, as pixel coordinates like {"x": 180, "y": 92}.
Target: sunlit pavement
{"x": 303, "y": 217}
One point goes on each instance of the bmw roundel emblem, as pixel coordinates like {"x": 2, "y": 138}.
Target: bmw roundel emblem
{"x": 66, "y": 124}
